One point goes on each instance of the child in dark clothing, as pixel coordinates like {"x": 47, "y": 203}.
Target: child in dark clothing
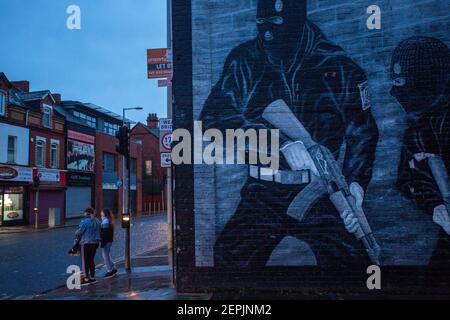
{"x": 107, "y": 239}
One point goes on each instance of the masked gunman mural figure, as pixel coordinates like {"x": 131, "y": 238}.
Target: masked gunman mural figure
{"x": 291, "y": 67}
{"x": 420, "y": 71}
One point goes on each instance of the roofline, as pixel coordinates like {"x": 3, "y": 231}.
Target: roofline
{"x": 3, "y": 75}
{"x": 97, "y": 109}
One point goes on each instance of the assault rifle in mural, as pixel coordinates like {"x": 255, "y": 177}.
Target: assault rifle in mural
{"x": 331, "y": 177}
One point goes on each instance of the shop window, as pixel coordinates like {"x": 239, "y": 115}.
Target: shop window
{"x": 40, "y": 153}
{"x": 12, "y": 149}
{"x": 54, "y": 155}
{"x": 47, "y": 117}
{"x": 11, "y": 204}
{"x": 2, "y": 103}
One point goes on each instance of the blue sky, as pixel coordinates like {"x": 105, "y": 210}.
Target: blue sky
{"x": 103, "y": 63}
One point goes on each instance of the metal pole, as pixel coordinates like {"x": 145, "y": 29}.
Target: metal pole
{"x": 170, "y": 219}
{"x": 128, "y": 230}
{"x": 126, "y": 206}
{"x": 36, "y": 217}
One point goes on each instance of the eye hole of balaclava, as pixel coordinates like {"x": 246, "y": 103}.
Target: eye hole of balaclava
{"x": 279, "y": 21}
{"x": 398, "y": 78}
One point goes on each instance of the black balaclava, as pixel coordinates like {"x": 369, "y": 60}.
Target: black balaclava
{"x": 420, "y": 69}
{"x": 280, "y": 25}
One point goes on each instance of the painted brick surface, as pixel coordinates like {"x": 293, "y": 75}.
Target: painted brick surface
{"x": 407, "y": 235}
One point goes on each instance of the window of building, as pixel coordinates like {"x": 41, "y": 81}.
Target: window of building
{"x": 12, "y": 149}
{"x": 11, "y": 204}
{"x": 54, "y": 155}
{"x": 90, "y": 121}
{"x": 109, "y": 162}
{"x": 133, "y": 167}
{"x": 110, "y": 128}
{"x": 40, "y": 153}
{"x": 148, "y": 168}
{"x": 47, "y": 117}
{"x": 2, "y": 103}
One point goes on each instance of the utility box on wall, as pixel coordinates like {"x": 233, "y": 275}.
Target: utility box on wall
{"x": 366, "y": 86}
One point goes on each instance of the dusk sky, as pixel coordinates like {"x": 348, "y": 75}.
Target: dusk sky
{"x": 103, "y": 63}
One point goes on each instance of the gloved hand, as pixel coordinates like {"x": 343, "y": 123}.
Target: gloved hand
{"x": 298, "y": 157}
{"x": 442, "y": 217}
{"x": 350, "y": 221}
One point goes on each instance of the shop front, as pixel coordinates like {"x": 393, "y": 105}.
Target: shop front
{"x": 15, "y": 183}
{"x": 81, "y": 177}
{"x": 49, "y": 198}
{"x": 79, "y": 193}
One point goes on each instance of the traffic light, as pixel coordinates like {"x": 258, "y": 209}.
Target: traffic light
{"x": 36, "y": 181}
{"x": 126, "y": 220}
{"x": 123, "y": 135}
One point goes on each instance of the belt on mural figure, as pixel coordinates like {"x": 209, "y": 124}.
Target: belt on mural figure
{"x": 313, "y": 191}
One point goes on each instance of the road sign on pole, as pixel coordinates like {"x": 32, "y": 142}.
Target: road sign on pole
{"x": 165, "y": 135}
{"x": 166, "y": 160}
{"x": 164, "y": 83}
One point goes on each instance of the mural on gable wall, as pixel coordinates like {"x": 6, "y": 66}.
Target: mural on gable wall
{"x": 353, "y": 129}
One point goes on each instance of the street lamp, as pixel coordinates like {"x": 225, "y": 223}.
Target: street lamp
{"x": 128, "y": 109}
{"x": 126, "y": 212}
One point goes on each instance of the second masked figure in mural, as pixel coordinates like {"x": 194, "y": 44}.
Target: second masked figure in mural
{"x": 420, "y": 70}
{"x": 292, "y": 61}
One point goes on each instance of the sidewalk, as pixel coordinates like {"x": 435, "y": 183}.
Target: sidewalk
{"x": 150, "y": 280}
{"x": 29, "y": 229}
{"x": 70, "y": 223}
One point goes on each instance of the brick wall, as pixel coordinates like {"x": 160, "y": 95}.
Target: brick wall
{"x": 152, "y": 200}
{"x": 106, "y": 143}
{"x": 406, "y": 234}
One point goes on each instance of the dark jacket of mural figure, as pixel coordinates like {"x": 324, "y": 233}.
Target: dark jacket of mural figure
{"x": 420, "y": 70}
{"x": 293, "y": 61}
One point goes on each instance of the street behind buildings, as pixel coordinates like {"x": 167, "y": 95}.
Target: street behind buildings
{"x": 34, "y": 262}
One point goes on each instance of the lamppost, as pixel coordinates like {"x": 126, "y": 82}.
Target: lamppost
{"x": 124, "y": 146}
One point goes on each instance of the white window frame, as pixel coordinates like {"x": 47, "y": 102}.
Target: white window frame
{"x": 2, "y": 103}
{"x": 47, "y": 110}
{"x": 54, "y": 143}
{"x": 15, "y": 150}
{"x": 43, "y": 141}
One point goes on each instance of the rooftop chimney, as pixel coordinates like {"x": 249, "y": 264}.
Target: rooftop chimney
{"x": 152, "y": 121}
{"x": 23, "y": 86}
{"x": 57, "y": 97}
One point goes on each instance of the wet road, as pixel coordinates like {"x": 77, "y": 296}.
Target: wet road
{"x": 31, "y": 263}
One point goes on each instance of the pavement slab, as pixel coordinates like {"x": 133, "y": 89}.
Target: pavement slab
{"x": 150, "y": 279}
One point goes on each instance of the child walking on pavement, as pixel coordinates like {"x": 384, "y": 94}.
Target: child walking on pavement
{"x": 107, "y": 239}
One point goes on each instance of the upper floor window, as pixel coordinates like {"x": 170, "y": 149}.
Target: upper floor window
{"x": 2, "y": 103}
{"x": 110, "y": 128}
{"x": 148, "y": 168}
{"x": 109, "y": 162}
{"x": 54, "y": 154}
{"x": 133, "y": 167}
{"x": 90, "y": 121}
{"x": 40, "y": 153}
{"x": 12, "y": 149}
{"x": 47, "y": 117}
